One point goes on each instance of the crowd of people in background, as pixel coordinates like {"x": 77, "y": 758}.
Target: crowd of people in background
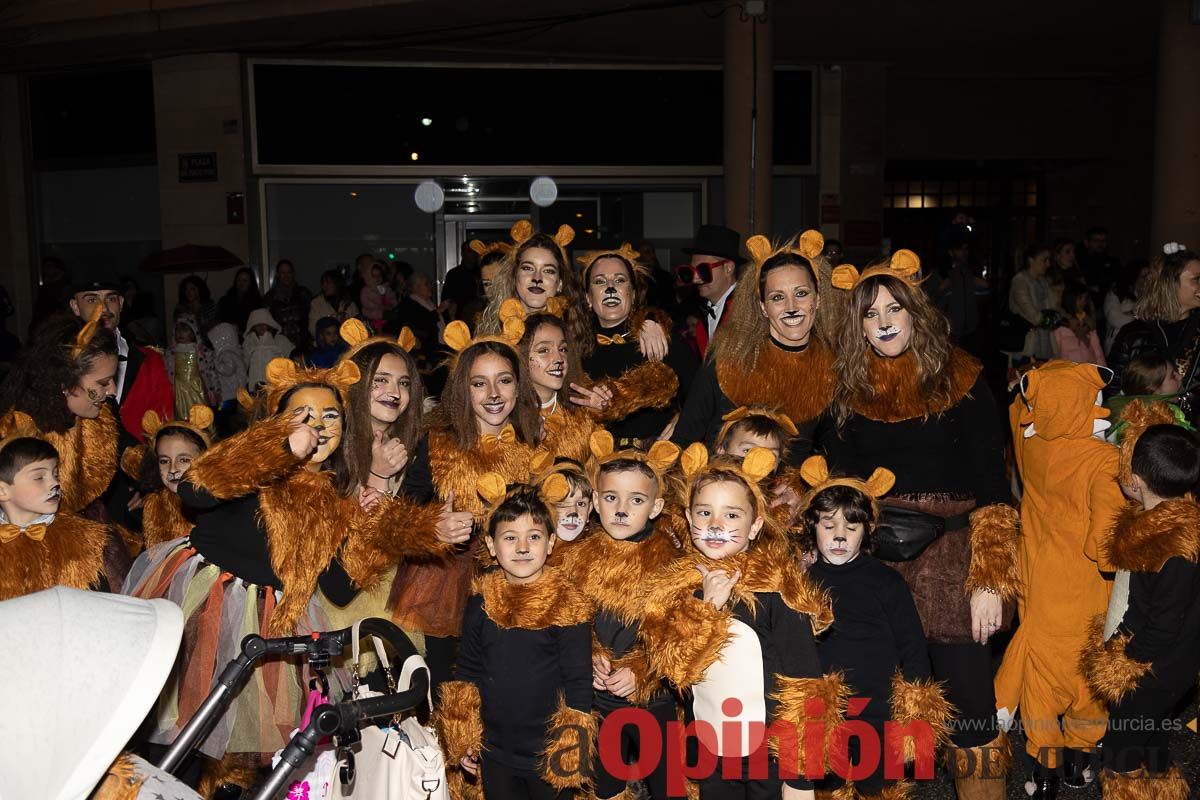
{"x": 584, "y": 485}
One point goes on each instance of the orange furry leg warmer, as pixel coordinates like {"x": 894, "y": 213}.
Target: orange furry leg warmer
{"x": 805, "y": 701}
{"x": 1141, "y": 785}
{"x": 920, "y": 701}
{"x": 1109, "y": 673}
{"x": 570, "y": 747}
{"x": 994, "y": 551}
{"x": 992, "y": 761}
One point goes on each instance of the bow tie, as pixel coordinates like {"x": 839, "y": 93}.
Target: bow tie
{"x": 506, "y": 436}
{"x": 122, "y": 358}
{"x": 8, "y": 532}
{"x": 617, "y": 338}
{"x": 712, "y": 311}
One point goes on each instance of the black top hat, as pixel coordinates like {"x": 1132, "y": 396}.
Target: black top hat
{"x": 716, "y": 240}
{"x": 93, "y": 285}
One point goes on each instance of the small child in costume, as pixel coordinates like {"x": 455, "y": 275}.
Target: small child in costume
{"x": 1071, "y": 495}
{"x": 524, "y": 669}
{"x": 748, "y": 427}
{"x": 160, "y": 467}
{"x": 876, "y": 640}
{"x": 612, "y": 563}
{"x": 1143, "y": 658}
{"x": 575, "y": 510}
{"x": 230, "y": 363}
{"x": 733, "y": 622}
{"x": 190, "y": 365}
{"x": 262, "y": 342}
{"x": 40, "y": 545}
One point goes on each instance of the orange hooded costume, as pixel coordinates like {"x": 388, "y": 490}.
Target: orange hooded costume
{"x": 1071, "y": 496}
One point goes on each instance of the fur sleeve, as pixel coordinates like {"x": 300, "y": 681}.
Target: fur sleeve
{"x": 398, "y": 530}
{"x": 131, "y": 461}
{"x": 651, "y": 314}
{"x": 920, "y": 700}
{"x": 246, "y": 462}
{"x": 651, "y": 384}
{"x": 801, "y": 593}
{"x": 459, "y": 720}
{"x": 683, "y": 635}
{"x": 637, "y": 661}
{"x": 803, "y": 701}
{"x": 994, "y": 551}
{"x": 1108, "y": 671}
{"x": 570, "y": 743}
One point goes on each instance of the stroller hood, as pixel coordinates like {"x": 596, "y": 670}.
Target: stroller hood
{"x": 81, "y": 669}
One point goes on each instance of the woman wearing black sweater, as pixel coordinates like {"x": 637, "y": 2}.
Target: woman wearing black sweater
{"x": 768, "y": 351}
{"x": 909, "y": 401}
{"x": 641, "y": 394}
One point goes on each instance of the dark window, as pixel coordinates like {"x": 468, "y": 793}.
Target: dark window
{"x": 93, "y": 116}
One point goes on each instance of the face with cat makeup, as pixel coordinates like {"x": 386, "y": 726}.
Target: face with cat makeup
{"x": 176, "y": 453}
{"x": 789, "y": 302}
{"x": 34, "y": 491}
{"x": 722, "y": 519}
{"x": 572, "y": 513}
{"x": 95, "y": 386}
{"x": 887, "y": 325}
{"x": 324, "y": 415}
{"x": 625, "y": 500}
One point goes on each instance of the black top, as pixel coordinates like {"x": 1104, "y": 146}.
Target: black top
{"x": 876, "y": 630}
{"x": 702, "y": 415}
{"x": 1164, "y": 619}
{"x": 228, "y": 534}
{"x": 417, "y": 483}
{"x": 1174, "y": 340}
{"x": 613, "y": 360}
{"x": 619, "y": 638}
{"x": 520, "y": 674}
{"x": 960, "y": 451}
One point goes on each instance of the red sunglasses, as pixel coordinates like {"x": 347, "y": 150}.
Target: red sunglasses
{"x": 687, "y": 274}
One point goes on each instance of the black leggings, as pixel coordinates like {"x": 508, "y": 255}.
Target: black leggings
{"x": 440, "y": 653}
{"x": 966, "y": 670}
{"x": 1139, "y": 728}
{"x": 608, "y": 785}
{"x": 501, "y": 782}
{"x": 765, "y": 787}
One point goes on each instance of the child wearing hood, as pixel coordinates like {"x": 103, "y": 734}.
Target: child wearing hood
{"x": 190, "y": 365}
{"x": 261, "y": 343}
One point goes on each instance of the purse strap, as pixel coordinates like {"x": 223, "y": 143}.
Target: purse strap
{"x": 379, "y": 651}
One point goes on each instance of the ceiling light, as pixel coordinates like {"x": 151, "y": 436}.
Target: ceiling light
{"x": 426, "y": 121}
{"x": 413, "y": 155}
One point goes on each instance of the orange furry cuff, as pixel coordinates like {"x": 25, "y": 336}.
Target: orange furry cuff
{"x": 651, "y": 384}
{"x": 921, "y": 700}
{"x": 570, "y": 743}
{"x": 399, "y": 530}
{"x": 651, "y": 314}
{"x": 994, "y": 551}
{"x": 638, "y": 662}
{"x": 458, "y": 720}
{"x": 246, "y": 462}
{"x": 685, "y": 640}
{"x": 803, "y": 701}
{"x": 1141, "y": 785}
{"x": 462, "y": 786}
{"x": 1108, "y": 671}
{"x": 131, "y": 461}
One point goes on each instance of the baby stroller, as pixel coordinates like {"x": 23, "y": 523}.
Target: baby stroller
{"x": 93, "y": 664}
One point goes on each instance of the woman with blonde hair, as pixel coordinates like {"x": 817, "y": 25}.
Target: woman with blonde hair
{"x": 1165, "y": 318}
{"x": 908, "y": 400}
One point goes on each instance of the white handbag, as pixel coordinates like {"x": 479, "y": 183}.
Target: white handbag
{"x": 400, "y": 762}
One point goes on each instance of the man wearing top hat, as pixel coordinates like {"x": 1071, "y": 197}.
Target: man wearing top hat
{"x": 713, "y": 271}
{"x": 142, "y": 379}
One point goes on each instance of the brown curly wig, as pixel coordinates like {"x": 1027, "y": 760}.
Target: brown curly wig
{"x": 45, "y": 368}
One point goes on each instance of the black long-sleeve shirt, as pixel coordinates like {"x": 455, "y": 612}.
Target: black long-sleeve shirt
{"x": 608, "y": 362}
{"x": 876, "y": 630}
{"x": 520, "y": 674}
{"x": 228, "y": 534}
{"x": 1163, "y": 619}
{"x": 960, "y": 451}
{"x": 417, "y": 484}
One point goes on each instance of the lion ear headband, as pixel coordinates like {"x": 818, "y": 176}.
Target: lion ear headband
{"x": 746, "y": 412}
{"x": 625, "y": 252}
{"x": 755, "y": 466}
{"x": 904, "y": 265}
{"x": 457, "y": 335}
{"x": 809, "y": 244}
{"x": 88, "y": 331}
{"x": 199, "y": 420}
{"x": 492, "y": 488}
{"x": 815, "y": 472}
{"x": 283, "y": 374}
{"x": 17, "y": 425}
{"x": 355, "y": 334}
{"x": 659, "y": 458}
